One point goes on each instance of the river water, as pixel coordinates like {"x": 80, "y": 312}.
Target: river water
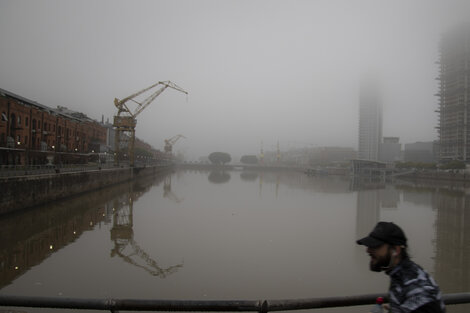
{"x": 199, "y": 235}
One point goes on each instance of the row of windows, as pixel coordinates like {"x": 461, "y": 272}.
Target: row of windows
{"x": 18, "y": 139}
{"x": 17, "y": 119}
{"x": 37, "y": 125}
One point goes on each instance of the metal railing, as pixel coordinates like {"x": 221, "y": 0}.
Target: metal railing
{"x": 261, "y": 306}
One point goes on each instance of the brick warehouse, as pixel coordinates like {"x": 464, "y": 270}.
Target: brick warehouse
{"x": 31, "y": 133}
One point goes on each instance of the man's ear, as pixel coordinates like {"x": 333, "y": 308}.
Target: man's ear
{"x": 396, "y": 250}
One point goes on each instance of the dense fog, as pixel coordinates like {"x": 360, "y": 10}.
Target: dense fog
{"x": 257, "y": 72}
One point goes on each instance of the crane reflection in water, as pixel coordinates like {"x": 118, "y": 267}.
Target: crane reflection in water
{"x": 126, "y": 247}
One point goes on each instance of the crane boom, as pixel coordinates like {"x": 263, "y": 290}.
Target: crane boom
{"x": 121, "y": 104}
{"x": 156, "y": 94}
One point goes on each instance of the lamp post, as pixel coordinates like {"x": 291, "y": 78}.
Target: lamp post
{"x": 54, "y": 149}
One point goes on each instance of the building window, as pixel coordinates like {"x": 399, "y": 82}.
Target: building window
{"x": 19, "y": 120}
{"x": 4, "y": 117}
{"x": 26, "y": 122}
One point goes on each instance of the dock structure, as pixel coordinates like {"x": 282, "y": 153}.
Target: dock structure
{"x": 369, "y": 168}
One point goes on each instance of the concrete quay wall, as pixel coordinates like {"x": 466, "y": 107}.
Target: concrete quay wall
{"x": 21, "y": 192}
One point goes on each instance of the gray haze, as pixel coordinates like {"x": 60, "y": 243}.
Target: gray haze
{"x": 256, "y": 71}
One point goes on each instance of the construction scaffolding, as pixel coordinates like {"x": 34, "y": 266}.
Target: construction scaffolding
{"x": 454, "y": 98}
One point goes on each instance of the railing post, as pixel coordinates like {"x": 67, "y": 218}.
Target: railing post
{"x": 263, "y": 308}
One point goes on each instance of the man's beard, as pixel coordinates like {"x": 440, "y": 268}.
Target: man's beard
{"x": 381, "y": 263}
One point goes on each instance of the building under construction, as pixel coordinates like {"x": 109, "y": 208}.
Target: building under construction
{"x": 454, "y": 95}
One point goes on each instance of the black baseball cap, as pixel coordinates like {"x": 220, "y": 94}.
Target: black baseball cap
{"x": 384, "y": 232}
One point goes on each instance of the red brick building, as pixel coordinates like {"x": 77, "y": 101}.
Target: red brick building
{"x": 31, "y": 133}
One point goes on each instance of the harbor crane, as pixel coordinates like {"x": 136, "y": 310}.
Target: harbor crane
{"x": 170, "y": 142}
{"x": 125, "y": 120}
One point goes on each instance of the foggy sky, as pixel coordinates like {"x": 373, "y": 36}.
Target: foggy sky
{"x": 256, "y": 71}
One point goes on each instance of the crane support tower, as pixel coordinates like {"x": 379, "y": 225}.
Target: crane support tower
{"x": 125, "y": 120}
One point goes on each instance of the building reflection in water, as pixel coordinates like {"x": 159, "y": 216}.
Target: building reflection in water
{"x": 448, "y": 234}
{"x": 451, "y": 242}
{"x": 453, "y": 239}
{"x": 368, "y": 203}
{"x": 28, "y": 238}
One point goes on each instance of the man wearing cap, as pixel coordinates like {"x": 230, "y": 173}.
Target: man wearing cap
{"x": 411, "y": 288}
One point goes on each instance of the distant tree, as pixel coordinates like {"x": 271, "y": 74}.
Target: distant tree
{"x": 249, "y": 159}
{"x": 220, "y": 157}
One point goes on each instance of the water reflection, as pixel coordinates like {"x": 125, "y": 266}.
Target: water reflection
{"x": 233, "y": 227}
{"x": 448, "y": 234}
{"x": 373, "y": 195}
{"x": 249, "y": 176}
{"x": 453, "y": 239}
{"x": 443, "y": 244}
{"x": 122, "y": 234}
{"x": 167, "y": 193}
{"x": 219, "y": 177}
{"x": 30, "y": 237}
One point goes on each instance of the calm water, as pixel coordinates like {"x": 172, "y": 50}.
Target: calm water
{"x": 232, "y": 235}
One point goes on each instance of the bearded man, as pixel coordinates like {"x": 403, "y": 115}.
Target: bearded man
{"x": 412, "y": 289}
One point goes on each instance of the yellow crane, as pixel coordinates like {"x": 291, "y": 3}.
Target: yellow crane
{"x": 125, "y": 124}
{"x": 170, "y": 142}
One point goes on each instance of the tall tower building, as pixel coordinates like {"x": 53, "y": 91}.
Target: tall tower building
{"x": 454, "y": 95}
{"x": 370, "y": 120}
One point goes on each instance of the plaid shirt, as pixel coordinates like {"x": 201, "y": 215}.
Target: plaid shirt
{"x": 411, "y": 288}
